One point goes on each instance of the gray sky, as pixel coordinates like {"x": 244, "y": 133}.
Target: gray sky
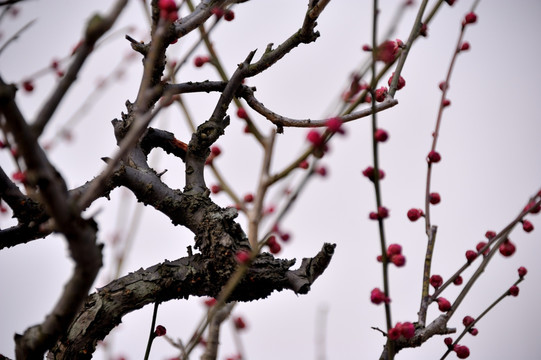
{"x": 489, "y": 169}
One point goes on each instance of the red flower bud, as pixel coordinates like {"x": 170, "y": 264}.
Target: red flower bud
{"x": 394, "y": 333}
{"x": 458, "y": 280}
{"x": 462, "y": 352}
{"x": 334, "y": 125}
{"x": 414, "y": 214}
{"x": 19, "y": 176}
{"x": 522, "y": 271}
{"x": 383, "y": 212}
{"x": 532, "y": 208}
{"x": 387, "y": 52}
{"x": 217, "y": 11}
{"x": 160, "y": 331}
{"x": 285, "y": 237}
{"x": 243, "y": 256}
{"x": 241, "y": 113}
{"x": 28, "y": 85}
{"x": 399, "y": 260}
{"x": 513, "y": 290}
{"x": 322, "y": 171}
{"x": 436, "y": 281}
{"x": 239, "y": 323}
{"x": 467, "y": 321}
{"x": 215, "y": 150}
{"x": 481, "y": 245}
{"x": 443, "y": 304}
{"x": 381, "y": 135}
{"x": 314, "y": 137}
{"x": 229, "y": 15}
{"x": 369, "y": 173}
{"x": 471, "y": 255}
{"x": 394, "y": 249}
{"x": 381, "y": 93}
{"x": 433, "y": 157}
{"x": 442, "y": 85}
{"x": 434, "y": 198}
{"x": 377, "y": 297}
{"x": 448, "y": 341}
{"x": 507, "y": 248}
{"x": 373, "y": 216}
{"x": 303, "y": 164}
{"x": 200, "y": 61}
{"x": 275, "y": 248}
{"x": 465, "y": 46}
{"x": 401, "y": 82}
{"x": 527, "y": 226}
{"x": 470, "y": 18}
{"x": 168, "y": 10}
{"x": 407, "y": 330}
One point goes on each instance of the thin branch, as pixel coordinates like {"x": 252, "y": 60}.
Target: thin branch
{"x": 151, "y": 335}
{"x": 283, "y": 121}
{"x": 414, "y": 33}
{"x": 247, "y": 93}
{"x": 255, "y": 214}
{"x": 429, "y": 228}
{"x": 377, "y": 190}
{"x": 477, "y": 319}
{"x": 17, "y": 34}
{"x": 493, "y": 245}
{"x": 96, "y": 27}
{"x": 213, "y": 340}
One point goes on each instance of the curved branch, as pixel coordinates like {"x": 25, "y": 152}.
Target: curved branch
{"x": 247, "y": 93}
{"x": 282, "y": 121}
{"x": 179, "y": 279}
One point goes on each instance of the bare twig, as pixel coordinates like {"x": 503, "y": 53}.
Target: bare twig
{"x": 16, "y": 35}
{"x": 96, "y": 27}
{"x": 211, "y": 350}
{"x": 429, "y": 228}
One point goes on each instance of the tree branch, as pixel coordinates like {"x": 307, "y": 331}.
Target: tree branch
{"x": 80, "y": 233}
{"x": 179, "y": 279}
{"x": 96, "y": 27}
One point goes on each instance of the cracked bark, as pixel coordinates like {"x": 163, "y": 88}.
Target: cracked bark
{"x": 179, "y": 279}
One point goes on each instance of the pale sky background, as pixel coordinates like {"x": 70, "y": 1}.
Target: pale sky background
{"x": 490, "y": 167}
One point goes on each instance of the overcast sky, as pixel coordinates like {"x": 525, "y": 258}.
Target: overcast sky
{"x": 490, "y": 167}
